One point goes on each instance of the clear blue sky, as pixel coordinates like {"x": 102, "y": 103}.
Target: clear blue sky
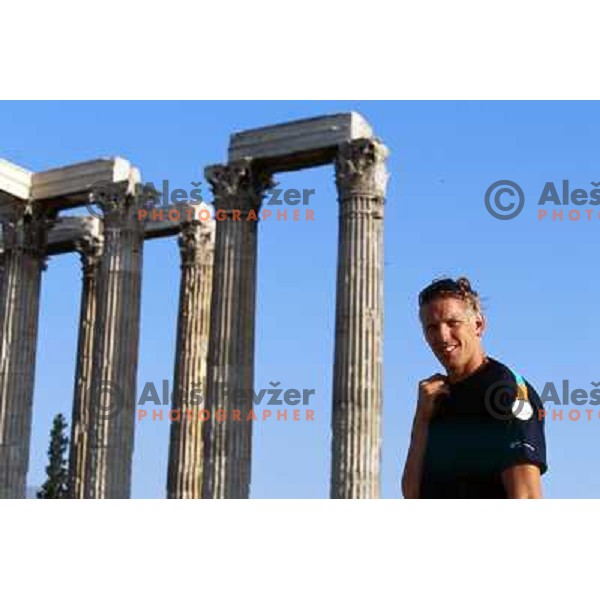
{"x": 539, "y": 280}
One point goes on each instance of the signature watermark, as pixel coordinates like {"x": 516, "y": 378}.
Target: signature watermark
{"x": 189, "y": 214}
{"x": 505, "y": 400}
{"x": 505, "y": 200}
{"x": 181, "y": 204}
{"x": 222, "y": 414}
{"x": 240, "y": 402}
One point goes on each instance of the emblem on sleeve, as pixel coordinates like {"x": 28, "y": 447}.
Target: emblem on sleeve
{"x": 521, "y": 407}
{"x": 519, "y": 444}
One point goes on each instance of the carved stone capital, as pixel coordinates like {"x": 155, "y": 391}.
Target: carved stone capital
{"x": 196, "y": 242}
{"x": 90, "y": 251}
{"x": 119, "y": 203}
{"x": 238, "y": 185}
{"x": 360, "y": 168}
{"x": 25, "y": 226}
{"x": 110, "y": 197}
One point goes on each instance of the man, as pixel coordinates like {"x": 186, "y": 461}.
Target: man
{"x": 478, "y": 431}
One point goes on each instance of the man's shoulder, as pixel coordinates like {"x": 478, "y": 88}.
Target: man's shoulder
{"x": 499, "y": 367}
{"x": 514, "y": 376}
{"x": 505, "y": 371}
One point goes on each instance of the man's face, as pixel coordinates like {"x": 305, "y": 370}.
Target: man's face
{"x": 453, "y": 331}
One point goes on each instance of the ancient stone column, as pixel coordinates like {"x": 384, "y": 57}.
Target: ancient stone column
{"x": 116, "y": 342}
{"x": 196, "y": 242}
{"x": 1, "y": 267}
{"x": 238, "y": 192}
{"x": 358, "y": 359}
{"x": 1, "y": 276}
{"x": 24, "y": 232}
{"x": 90, "y": 251}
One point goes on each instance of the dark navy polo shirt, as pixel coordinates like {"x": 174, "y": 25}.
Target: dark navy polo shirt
{"x": 490, "y": 421}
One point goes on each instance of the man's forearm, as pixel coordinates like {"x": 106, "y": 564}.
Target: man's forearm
{"x": 413, "y": 469}
{"x": 522, "y": 482}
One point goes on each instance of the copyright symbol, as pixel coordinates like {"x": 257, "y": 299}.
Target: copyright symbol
{"x": 502, "y": 401}
{"x": 493, "y": 197}
{"x": 92, "y": 209}
{"x": 109, "y": 399}
{"x": 99, "y": 189}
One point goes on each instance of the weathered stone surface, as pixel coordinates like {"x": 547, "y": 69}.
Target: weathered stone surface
{"x": 15, "y": 180}
{"x": 23, "y": 241}
{"x": 72, "y": 184}
{"x": 228, "y": 444}
{"x": 84, "y": 235}
{"x": 69, "y": 231}
{"x": 168, "y": 227}
{"x": 186, "y": 450}
{"x": 298, "y": 144}
{"x": 89, "y": 245}
{"x": 215, "y": 340}
{"x": 358, "y": 356}
{"x": 115, "y": 347}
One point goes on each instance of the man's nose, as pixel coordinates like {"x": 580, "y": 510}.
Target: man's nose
{"x": 444, "y": 334}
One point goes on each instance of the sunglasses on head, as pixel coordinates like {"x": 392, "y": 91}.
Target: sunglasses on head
{"x": 437, "y": 287}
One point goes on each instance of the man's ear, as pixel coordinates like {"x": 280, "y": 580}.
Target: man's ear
{"x": 480, "y": 324}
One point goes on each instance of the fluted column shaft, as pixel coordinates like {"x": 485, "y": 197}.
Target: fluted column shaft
{"x": 230, "y": 374}
{"x": 115, "y": 346}
{"x": 90, "y": 250}
{"x": 184, "y": 478}
{"x": 358, "y": 359}
{"x": 1, "y": 279}
{"x": 24, "y": 230}
{"x": 2, "y": 294}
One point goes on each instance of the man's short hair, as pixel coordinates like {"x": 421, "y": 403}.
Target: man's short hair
{"x": 447, "y": 287}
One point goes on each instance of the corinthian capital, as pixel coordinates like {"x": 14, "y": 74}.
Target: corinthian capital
{"x": 196, "y": 242}
{"x": 90, "y": 251}
{"x": 360, "y": 168}
{"x": 120, "y": 202}
{"x": 110, "y": 197}
{"x": 237, "y": 185}
{"x": 25, "y": 225}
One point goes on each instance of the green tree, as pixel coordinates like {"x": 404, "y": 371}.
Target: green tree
{"x": 56, "y": 471}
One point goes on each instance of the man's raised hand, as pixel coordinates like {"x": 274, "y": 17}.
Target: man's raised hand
{"x": 430, "y": 392}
